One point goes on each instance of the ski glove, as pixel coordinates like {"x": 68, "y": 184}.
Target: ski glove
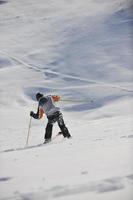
{"x": 31, "y": 113}
{"x": 34, "y": 115}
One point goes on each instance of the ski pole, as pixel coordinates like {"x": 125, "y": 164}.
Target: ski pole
{"x": 28, "y": 132}
{"x": 76, "y": 101}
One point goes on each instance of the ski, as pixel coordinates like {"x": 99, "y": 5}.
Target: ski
{"x": 33, "y": 146}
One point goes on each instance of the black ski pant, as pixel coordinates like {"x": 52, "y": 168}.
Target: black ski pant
{"x": 56, "y": 117}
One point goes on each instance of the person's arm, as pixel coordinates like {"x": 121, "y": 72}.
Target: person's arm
{"x": 37, "y": 115}
{"x": 56, "y": 98}
{"x": 41, "y": 113}
{"x": 40, "y": 110}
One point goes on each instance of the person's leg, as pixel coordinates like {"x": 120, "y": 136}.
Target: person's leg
{"x": 63, "y": 127}
{"x": 48, "y": 131}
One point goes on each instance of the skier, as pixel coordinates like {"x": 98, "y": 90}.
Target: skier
{"x": 46, "y": 105}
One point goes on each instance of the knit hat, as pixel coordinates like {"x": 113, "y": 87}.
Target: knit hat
{"x": 38, "y": 96}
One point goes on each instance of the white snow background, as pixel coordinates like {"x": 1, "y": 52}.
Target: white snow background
{"x": 82, "y": 51}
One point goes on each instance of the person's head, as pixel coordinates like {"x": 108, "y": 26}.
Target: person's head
{"x": 38, "y": 96}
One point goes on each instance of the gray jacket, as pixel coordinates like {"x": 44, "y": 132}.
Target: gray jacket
{"x": 48, "y": 105}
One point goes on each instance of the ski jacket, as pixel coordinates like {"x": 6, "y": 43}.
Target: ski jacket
{"x": 47, "y": 105}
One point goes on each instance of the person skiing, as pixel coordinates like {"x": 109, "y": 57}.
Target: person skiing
{"x": 46, "y": 105}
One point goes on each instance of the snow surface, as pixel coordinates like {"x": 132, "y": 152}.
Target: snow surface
{"x": 81, "y": 50}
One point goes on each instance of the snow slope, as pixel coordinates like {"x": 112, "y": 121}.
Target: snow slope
{"x": 81, "y": 50}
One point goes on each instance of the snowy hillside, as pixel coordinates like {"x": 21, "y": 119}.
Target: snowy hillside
{"x": 82, "y": 51}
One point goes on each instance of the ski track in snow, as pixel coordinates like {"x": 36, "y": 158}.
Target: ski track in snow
{"x": 37, "y": 68}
